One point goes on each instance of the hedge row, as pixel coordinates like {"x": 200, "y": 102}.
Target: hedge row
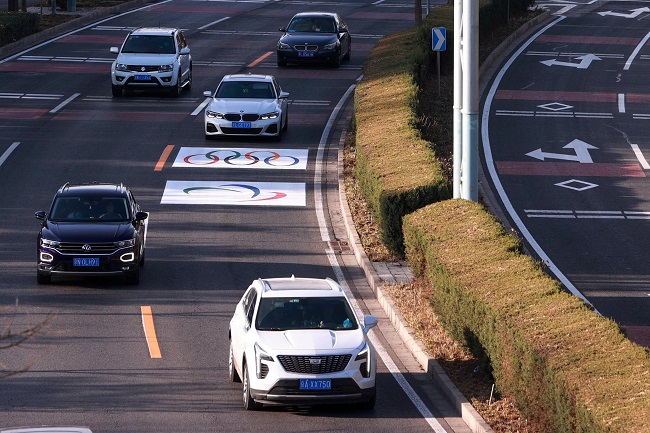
{"x": 17, "y": 25}
{"x": 569, "y": 369}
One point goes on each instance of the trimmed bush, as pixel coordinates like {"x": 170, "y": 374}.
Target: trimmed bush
{"x": 17, "y": 25}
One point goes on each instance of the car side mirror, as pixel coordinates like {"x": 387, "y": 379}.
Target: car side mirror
{"x": 141, "y": 216}
{"x": 115, "y": 50}
{"x": 284, "y": 95}
{"x": 207, "y": 94}
{"x": 40, "y": 215}
{"x": 185, "y": 51}
{"x": 369, "y": 322}
{"x": 282, "y": 29}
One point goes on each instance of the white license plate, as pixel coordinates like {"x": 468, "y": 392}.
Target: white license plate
{"x": 85, "y": 261}
{"x": 315, "y": 384}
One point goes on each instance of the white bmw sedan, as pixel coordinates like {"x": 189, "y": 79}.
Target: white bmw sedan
{"x": 247, "y": 105}
{"x": 297, "y": 341}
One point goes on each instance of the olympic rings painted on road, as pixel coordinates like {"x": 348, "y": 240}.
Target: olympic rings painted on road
{"x": 234, "y": 193}
{"x": 242, "y": 158}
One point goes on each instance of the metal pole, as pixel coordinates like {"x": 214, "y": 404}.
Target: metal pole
{"x": 469, "y": 182}
{"x": 458, "y": 95}
{"x": 438, "y": 60}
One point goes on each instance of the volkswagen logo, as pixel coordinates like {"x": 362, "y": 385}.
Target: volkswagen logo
{"x": 86, "y": 247}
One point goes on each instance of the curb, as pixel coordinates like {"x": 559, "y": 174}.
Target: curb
{"x": 75, "y": 24}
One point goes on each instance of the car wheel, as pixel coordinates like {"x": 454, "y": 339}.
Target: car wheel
{"x": 141, "y": 262}
{"x": 337, "y": 60}
{"x": 249, "y": 403}
{"x": 232, "y": 371}
{"x": 370, "y": 404}
{"x": 286, "y": 122}
{"x": 134, "y": 277}
{"x": 280, "y": 129}
{"x": 281, "y": 62}
{"x": 349, "y": 53}
{"x": 177, "y": 88}
{"x": 42, "y": 278}
{"x": 117, "y": 91}
{"x": 189, "y": 79}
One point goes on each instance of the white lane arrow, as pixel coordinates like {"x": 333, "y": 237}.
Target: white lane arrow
{"x": 634, "y": 13}
{"x": 585, "y": 61}
{"x": 580, "y": 148}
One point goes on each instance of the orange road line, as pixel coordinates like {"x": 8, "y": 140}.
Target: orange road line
{"x": 150, "y": 332}
{"x": 259, "y": 59}
{"x": 163, "y": 157}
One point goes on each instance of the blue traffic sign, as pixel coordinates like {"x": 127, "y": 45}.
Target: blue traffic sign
{"x": 439, "y": 38}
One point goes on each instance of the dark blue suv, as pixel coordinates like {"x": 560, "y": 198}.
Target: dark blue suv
{"x": 91, "y": 229}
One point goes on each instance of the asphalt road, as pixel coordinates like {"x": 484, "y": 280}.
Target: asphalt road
{"x": 58, "y": 123}
{"x": 565, "y": 146}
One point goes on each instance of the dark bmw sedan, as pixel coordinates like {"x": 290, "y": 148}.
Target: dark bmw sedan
{"x": 313, "y": 37}
{"x": 91, "y": 230}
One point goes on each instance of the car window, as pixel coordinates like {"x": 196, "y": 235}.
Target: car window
{"x": 279, "y": 314}
{"x": 149, "y": 44}
{"x": 89, "y": 209}
{"x": 245, "y": 89}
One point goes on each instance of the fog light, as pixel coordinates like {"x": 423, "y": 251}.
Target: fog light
{"x": 128, "y": 257}
{"x": 46, "y": 257}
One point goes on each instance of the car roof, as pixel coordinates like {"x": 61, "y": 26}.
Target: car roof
{"x": 93, "y": 189}
{"x": 300, "y": 287}
{"x": 154, "y": 31}
{"x": 247, "y": 77}
{"x": 316, "y": 14}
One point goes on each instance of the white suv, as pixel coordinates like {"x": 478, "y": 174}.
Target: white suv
{"x": 297, "y": 341}
{"x": 150, "y": 58}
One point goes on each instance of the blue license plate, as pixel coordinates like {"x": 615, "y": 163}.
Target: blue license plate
{"x": 241, "y": 124}
{"x": 315, "y": 384}
{"x": 142, "y": 77}
{"x": 85, "y": 261}
{"x": 305, "y": 54}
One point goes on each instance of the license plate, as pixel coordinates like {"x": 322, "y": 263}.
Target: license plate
{"x": 305, "y": 54}
{"x": 85, "y": 261}
{"x": 241, "y": 124}
{"x": 143, "y": 77}
{"x": 315, "y": 384}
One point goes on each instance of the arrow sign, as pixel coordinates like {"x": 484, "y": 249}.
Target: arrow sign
{"x": 580, "y": 148}
{"x": 585, "y": 61}
{"x": 439, "y": 39}
{"x": 634, "y": 13}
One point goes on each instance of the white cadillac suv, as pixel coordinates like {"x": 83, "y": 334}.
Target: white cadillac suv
{"x": 298, "y": 341}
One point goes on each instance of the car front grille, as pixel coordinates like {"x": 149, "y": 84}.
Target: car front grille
{"x": 305, "y": 47}
{"x": 242, "y": 131}
{"x": 142, "y": 68}
{"x": 314, "y": 364}
{"x": 239, "y": 117}
{"x": 92, "y": 248}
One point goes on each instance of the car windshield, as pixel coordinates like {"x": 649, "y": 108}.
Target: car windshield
{"x": 96, "y": 209}
{"x": 312, "y": 24}
{"x": 149, "y": 44}
{"x": 245, "y": 89}
{"x": 280, "y": 314}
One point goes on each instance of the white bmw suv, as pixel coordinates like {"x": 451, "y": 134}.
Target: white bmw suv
{"x": 152, "y": 58}
{"x": 298, "y": 341}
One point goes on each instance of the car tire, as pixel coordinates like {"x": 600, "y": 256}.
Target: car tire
{"x": 249, "y": 403}
{"x": 116, "y": 90}
{"x": 43, "y": 278}
{"x": 141, "y": 262}
{"x": 134, "y": 277}
{"x": 337, "y": 60}
{"x": 189, "y": 80}
{"x": 232, "y": 371}
{"x": 349, "y": 53}
{"x": 286, "y": 122}
{"x": 177, "y": 88}
{"x": 370, "y": 404}
{"x": 282, "y": 63}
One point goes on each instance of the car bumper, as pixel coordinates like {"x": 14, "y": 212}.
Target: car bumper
{"x": 296, "y": 57}
{"x": 268, "y": 128}
{"x": 153, "y": 80}
{"x": 120, "y": 262}
{"x": 287, "y": 392}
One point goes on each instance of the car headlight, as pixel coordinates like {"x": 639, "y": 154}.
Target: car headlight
{"x": 165, "y": 68}
{"x": 283, "y": 46}
{"x": 273, "y": 115}
{"x": 125, "y": 243}
{"x": 49, "y": 244}
{"x": 330, "y": 46}
{"x": 260, "y": 355}
{"x": 364, "y": 357}
{"x": 214, "y": 114}
{"x": 121, "y": 67}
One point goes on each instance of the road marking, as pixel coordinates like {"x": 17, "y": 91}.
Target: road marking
{"x": 621, "y": 102}
{"x": 587, "y": 214}
{"x": 150, "y": 332}
{"x": 211, "y": 157}
{"x": 640, "y": 45}
{"x": 64, "y": 103}
{"x": 602, "y": 169}
{"x": 640, "y": 157}
{"x": 201, "y": 107}
{"x": 580, "y": 148}
{"x": 259, "y": 59}
{"x": 163, "y": 158}
{"x": 633, "y": 13}
{"x": 8, "y": 152}
{"x": 29, "y": 96}
{"x": 213, "y": 23}
{"x": 585, "y": 62}
{"x": 237, "y": 193}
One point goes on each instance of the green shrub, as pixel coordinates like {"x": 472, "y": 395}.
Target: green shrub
{"x": 17, "y": 25}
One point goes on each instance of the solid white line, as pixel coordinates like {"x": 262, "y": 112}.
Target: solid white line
{"x": 495, "y": 177}
{"x": 213, "y": 22}
{"x": 201, "y": 106}
{"x": 383, "y": 353}
{"x": 640, "y": 157}
{"x": 635, "y": 52}
{"x": 64, "y": 103}
{"x": 5, "y": 155}
{"x": 621, "y": 102}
